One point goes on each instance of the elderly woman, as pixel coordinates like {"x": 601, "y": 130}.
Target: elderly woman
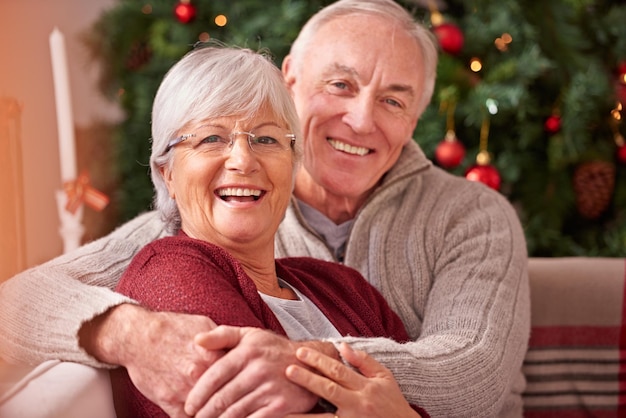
{"x": 224, "y": 153}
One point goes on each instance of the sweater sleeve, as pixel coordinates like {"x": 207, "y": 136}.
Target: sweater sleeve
{"x": 467, "y": 353}
{"x": 42, "y": 309}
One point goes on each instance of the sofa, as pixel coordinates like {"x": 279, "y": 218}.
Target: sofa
{"x": 574, "y": 366}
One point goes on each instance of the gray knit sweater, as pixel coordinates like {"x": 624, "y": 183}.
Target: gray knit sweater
{"x": 449, "y": 255}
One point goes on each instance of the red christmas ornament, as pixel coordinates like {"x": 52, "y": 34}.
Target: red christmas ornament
{"x": 621, "y": 154}
{"x": 552, "y": 124}
{"x": 620, "y": 82}
{"x": 486, "y": 174}
{"x": 450, "y": 152}
{"x": 621, "y": 72}
{"x": 184, "y": 11}
{"x": 450, "y": 38}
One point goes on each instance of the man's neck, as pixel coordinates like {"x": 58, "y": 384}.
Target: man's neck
{"x": 337, "y": 208}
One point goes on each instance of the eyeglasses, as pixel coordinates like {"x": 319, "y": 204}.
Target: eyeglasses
{"x": 215, "y": 140}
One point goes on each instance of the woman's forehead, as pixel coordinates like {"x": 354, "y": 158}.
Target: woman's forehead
{"x": 262, "y": 116}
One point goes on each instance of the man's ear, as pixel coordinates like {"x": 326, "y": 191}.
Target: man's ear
{"x": 289, "y": 71}
{"x": 166, "y": 173}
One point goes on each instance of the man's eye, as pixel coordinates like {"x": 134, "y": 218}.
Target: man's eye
{"x": 393, "y": 102}
{"x": 340, "y": 85}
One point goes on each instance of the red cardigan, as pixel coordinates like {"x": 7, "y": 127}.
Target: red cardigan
{"x": 182, "y": 274}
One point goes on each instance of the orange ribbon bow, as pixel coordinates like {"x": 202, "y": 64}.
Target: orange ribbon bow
{"x": 80, "y": 191}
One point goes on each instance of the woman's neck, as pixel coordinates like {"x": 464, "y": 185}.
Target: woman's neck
{"x": 259, "y": 263}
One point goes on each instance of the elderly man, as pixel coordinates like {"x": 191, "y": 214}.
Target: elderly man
{"x": 448, "y": 255}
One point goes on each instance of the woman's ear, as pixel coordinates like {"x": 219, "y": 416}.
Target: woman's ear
{"x": 166, "y": 173}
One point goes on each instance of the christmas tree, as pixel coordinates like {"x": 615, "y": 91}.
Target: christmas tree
{"x": 528, "y": 99}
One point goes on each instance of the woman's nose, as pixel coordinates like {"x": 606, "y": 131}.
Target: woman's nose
{"x": 240, "y": 155}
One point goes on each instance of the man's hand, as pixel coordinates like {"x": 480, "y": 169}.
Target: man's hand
{"x": 156, "y": 348}
{"x": 250, "y": 381}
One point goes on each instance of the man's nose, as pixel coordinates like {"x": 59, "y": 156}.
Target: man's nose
{"x": 360, "y": 114}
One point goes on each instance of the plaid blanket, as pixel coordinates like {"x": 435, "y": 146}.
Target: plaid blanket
{"x": 576, "y": 361}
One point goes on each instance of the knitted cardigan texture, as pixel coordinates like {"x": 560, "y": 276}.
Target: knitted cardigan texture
{"x": 448, "y": 255}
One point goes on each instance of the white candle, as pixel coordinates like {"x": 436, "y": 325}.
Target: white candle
{"x": 65, "y": 125}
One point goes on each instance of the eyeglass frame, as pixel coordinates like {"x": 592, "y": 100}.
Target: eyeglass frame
{"x": 249, "y": 136}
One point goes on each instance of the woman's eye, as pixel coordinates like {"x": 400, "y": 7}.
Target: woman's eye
{"x": 211, "y": 139}
{"x": 266, "y": 140}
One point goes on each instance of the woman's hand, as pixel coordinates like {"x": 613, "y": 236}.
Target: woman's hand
{"x": 372, "y": 393}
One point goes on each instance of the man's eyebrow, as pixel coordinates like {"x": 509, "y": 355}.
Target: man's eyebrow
{"x": 402, "y": 88}
{"x": 340, "y": 68}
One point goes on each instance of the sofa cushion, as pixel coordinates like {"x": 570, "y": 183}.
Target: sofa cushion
{"x": 57, "y": 389}
{"x": 575, "y": 362}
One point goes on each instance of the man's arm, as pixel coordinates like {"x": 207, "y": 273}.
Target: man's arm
{"x": 65, "y": 309}
{"x": 476, "y": 323}
{"x": 156, "y": 348}
{"x": 43, "y": 309}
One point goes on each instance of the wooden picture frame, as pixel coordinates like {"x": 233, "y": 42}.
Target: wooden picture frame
{"x": 12, "y": 225}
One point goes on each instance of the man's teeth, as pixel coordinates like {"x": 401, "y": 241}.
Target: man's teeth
{"x": 236, "y": 191}
{"x": 350, "y": 149}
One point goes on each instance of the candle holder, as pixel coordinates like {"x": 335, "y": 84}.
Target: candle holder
{"x": 71, "y": 228}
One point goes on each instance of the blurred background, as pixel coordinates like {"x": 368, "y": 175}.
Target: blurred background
{"x": 29, "y": 220}
{"x": 528, "y": 100}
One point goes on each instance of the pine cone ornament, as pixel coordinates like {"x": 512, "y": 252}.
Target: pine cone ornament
{"x": 594, "y": 183}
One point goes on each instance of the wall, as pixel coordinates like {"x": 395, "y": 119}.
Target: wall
{"x": 26, "y": 75}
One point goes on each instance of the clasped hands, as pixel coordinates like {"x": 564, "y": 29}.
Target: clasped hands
{"x": 234, "y": 372}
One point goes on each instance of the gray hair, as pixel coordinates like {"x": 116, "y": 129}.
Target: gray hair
{"x": 209, "y": 82}
{"x": 387, "y": 9}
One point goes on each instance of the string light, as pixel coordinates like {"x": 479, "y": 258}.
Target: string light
{"x": 617, "y": 112}
{"x": 492, "y": 106}
{"x": 221, "y": 20}
{"x": 502, "y": 43}
{"x": 617, "y": 119}
{"x": 436, "y": 18}
{"x": 204, "y": 37}
{"x": 476, "y": 65}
